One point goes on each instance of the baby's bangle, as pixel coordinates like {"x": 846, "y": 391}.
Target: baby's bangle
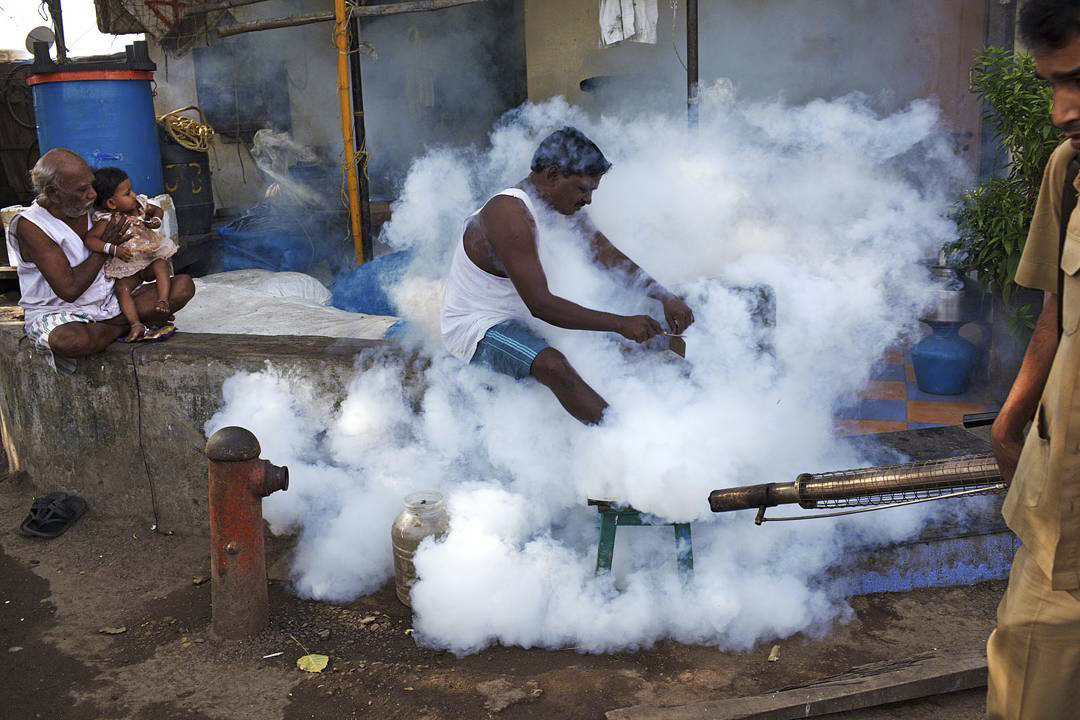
{"x": 108, "y": 248}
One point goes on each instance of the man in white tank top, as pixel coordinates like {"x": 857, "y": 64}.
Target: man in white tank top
{"x": 496, "y": 279}
{"x": 69, "y": 305}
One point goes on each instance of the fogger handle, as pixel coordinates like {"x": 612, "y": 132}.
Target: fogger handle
{"x": 974, "y": 420}
{"x": 750, "y": 497}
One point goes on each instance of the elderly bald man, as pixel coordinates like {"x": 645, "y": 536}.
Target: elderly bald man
{"x": 70, "y": 307}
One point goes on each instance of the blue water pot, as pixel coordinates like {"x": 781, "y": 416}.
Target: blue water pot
{"x": 943, "y": 361}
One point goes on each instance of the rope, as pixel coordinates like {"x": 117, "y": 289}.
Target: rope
{"x": 188, "y": 133}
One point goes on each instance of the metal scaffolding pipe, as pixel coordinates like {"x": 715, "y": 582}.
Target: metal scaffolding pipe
{"x": 355, "y": 11}
{"x": 363, "y": 245}
{"x": 352, "y": 182}
{"x": 692, "y": 63}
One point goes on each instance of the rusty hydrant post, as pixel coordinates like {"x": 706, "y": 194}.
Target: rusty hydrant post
{"x": 239, "y": 481}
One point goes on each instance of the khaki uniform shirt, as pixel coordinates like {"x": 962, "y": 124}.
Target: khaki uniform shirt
{"x": 1043, "y": 504}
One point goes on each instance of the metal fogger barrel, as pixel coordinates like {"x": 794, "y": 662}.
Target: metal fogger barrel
{"x": 867, "y": 488}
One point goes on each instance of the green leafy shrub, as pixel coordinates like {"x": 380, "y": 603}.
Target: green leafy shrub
{"x": 993, "y": 218}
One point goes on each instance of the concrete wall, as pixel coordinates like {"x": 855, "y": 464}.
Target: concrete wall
{"x": 81, "y": 433}
{"x": 800, "y": 49}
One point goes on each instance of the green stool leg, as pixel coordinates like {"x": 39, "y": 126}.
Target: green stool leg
{"x": 608, "y": 525}
{"x": 684, "y": 551}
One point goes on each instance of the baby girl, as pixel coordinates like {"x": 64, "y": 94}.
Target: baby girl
{"x": 142, "y": 256}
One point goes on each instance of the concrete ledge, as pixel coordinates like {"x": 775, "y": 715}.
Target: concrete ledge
{"x": 81, "y": 433}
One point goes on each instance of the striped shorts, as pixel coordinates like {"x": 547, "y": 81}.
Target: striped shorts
{"x": 509, "y": 348}
{"x": 38, "y": 331}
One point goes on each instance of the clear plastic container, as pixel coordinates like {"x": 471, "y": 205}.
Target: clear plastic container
{"x": 424, "y": 515}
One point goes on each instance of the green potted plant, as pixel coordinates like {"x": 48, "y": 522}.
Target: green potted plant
{"x": 992, "y": 218}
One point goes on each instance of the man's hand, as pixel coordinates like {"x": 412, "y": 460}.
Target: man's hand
{"x": 639, "y": 328}
{"x": 116, "y": 230}
{"x": 1007, "y": 441}
{"x": 678, "y": 314}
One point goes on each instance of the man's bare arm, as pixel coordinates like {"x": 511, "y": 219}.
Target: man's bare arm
{"x": 512, "y": 238}
{"x": 1006, "y": 435}
{"x": 66, "y": 281}
{"x": 678, "y": 314}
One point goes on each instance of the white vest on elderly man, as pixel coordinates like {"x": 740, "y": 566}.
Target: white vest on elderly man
{"x": 38, "y": 298}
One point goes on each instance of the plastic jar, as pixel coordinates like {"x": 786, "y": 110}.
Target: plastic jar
{"x": 424, "y": 515}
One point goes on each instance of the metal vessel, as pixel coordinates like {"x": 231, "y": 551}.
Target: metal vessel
{"x": 424, "y": 516}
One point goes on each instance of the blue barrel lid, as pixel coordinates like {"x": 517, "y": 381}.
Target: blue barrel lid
{"x": 137, "y": 57}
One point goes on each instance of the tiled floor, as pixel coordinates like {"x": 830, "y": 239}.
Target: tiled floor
{"x": 893, "y": 401}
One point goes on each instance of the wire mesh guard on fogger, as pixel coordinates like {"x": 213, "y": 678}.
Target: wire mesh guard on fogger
{"x": 865, "y": 489}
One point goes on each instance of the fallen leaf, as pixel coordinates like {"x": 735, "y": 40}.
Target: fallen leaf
{"x": 112, "y": 630}
{"x": 199, "y": 579}
{"x": 312, "y": 663}
{"x": 774, "y": 654}
{"x": 408, "y": 631}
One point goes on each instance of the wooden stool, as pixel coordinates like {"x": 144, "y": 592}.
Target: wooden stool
{"x": 613, "y": 515}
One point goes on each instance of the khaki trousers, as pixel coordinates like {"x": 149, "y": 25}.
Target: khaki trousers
{"x": 1034, "y": 653}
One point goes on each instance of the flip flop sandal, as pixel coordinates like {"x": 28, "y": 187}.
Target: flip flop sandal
{"x": 52, "y": 514}
{"x": 159, "y": 333}
{"x": 141, "y": 338}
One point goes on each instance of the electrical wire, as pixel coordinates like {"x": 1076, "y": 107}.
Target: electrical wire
{"x": 156, "y": 527}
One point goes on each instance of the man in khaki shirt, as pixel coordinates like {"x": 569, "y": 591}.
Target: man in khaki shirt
{"x": 1034, "y": 652}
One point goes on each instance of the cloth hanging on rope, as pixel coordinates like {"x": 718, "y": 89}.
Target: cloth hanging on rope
{"x": 631, "y": 20}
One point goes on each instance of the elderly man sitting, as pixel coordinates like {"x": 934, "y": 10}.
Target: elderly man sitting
{"x": 71, "y": 309}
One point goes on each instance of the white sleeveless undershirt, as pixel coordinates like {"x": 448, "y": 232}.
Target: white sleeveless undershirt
{"x": 474, "y": 300}
{"x": 38, "y": 297}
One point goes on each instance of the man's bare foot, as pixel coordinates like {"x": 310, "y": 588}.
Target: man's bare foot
{"x": 136, "y": 333}
{"x": 162, "y": 306}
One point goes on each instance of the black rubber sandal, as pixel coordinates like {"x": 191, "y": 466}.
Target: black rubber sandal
{"x": 52, "y": 514}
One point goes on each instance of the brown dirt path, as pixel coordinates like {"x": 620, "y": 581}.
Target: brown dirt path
{"x": 56, "y": 595}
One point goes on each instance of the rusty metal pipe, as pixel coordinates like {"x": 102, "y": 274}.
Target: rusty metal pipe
{"x": 238, "y": 481}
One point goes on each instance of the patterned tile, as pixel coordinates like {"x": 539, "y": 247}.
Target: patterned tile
{"x": 886, "y": 410}
{"x": 884, "y": 390}
{"x": 888, "y": 371}
{"x": 909, "y": 373}
{"x": 867, "y": 427}
{"x": 941, "y": 413}
{"x": 894, "y": 356}
{"x": 968, "y": 398}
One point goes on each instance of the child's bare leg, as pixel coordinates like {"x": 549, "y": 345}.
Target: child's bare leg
{"x": 123, "y": 288}
{"x": 161, "y": 276}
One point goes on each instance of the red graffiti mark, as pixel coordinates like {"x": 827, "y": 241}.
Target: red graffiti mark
{"x": 176, "y": 6}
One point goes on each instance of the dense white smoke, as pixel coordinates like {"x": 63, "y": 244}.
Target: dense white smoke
{"x": 829, "y": 204}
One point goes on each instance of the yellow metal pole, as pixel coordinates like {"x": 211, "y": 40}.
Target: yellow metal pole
{"x": 351, "y": 180}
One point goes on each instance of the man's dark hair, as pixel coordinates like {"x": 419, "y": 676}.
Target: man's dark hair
{"x": 106, "y": 180}
{"x": 571, "y": 152}
{"x": 1048, "y": 25}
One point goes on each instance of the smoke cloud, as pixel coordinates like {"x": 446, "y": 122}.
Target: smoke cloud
{"x": 829, "y": 203}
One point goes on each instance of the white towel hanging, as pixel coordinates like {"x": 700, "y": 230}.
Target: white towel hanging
{"x": 633, "y": 20}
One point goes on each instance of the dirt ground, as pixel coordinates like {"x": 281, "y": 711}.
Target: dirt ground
{"x": 55, "y": 664}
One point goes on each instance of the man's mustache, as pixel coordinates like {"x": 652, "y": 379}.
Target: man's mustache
{"x": 1070, "y": 128}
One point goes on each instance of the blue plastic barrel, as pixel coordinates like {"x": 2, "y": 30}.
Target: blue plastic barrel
{"x": 102, "y": 111}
